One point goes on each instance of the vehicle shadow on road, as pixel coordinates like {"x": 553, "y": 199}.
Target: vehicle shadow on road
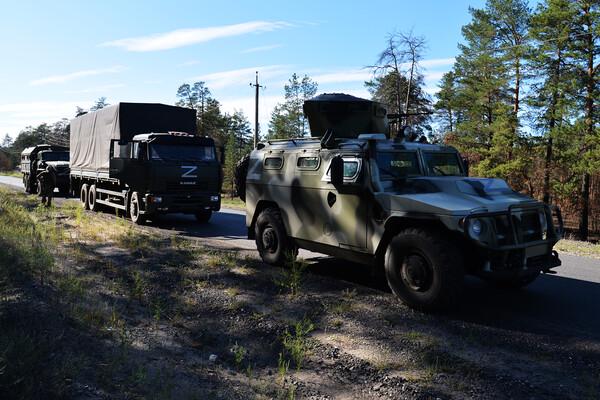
{"x": 553, "y": 304}
{"x": 222, "y": 225}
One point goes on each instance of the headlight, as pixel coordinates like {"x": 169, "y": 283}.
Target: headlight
{"x": 214, "y": 198}
{"x": 154, "y": 199}
{"x": 475, "y": 228}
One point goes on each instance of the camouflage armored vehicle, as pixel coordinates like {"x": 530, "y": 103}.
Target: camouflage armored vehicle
{"x": 406, "y": 205}
{"x": 45, "y": 156}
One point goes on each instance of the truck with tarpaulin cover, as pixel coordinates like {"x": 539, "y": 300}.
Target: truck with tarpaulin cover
{"x": 144, "y": 159}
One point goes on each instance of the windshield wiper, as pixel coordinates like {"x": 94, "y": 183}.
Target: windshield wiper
{"x": 438, "y": 169}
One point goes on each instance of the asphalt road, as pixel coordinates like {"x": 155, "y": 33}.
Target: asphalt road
{"x": 565, "y": 304}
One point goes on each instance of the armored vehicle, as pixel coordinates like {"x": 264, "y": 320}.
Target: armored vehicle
{"x": 357, "y": 194}
{"x": 144, "y": 159}
{"x": 45, "y": 156}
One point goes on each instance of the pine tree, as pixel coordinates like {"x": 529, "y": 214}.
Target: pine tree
{"x": 288, "y": 119}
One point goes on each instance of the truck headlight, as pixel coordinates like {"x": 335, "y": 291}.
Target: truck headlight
{"x": 154, "y": 199}
{"x": 475, "y": 228}
{"x": 214, "y": 198}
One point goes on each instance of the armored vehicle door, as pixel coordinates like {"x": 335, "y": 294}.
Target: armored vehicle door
{"x": 323, "y": 213}
{"x": 127, "y": 162}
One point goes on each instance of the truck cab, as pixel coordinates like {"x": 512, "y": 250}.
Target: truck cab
{"x": 45, "y": 156}
{"x": 175, "y": 172}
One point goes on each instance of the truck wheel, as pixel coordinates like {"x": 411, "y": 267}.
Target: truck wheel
{"x": 134, "y": 210}
{"x": 92, "y": 204}
{"x": 424, "y": 270}
{"x": 26, "y": 183}
{"x": 203, "y": 216}
{"x": 83, "y": 196}
{"x": 274, "y": 245}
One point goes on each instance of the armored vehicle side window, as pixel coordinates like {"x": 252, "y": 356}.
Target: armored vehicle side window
{"x": 394, "y": 164}
{"x": 273, "y": 162}
{"x": 442, "y": 163}
{"x": 350, "y": 168}
{"x": 310, "y": 163}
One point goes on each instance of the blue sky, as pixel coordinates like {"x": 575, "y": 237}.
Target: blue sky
{"x": 57, "y": 55}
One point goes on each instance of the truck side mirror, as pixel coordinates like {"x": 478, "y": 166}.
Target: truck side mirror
{"x": 466, "y": 165}
{"x": 222, "y": 154}
{"x": 337, "y": 171}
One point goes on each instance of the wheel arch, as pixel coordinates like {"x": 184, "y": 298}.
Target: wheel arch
{"x": 396, "y": 224}
{"x": 260, "y": 206}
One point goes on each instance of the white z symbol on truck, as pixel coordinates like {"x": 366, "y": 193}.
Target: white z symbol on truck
{"x": 190, "y": 169}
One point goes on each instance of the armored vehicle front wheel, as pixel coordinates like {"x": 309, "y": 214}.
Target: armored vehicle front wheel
{"x": 273, "y": 244}
{"x": 424, "y": 270}
{"x": 135, "y": 212}
{"x": 83, "y": 196}
{"x": 203, "y": 216}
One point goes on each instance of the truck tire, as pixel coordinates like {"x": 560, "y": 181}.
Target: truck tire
{"x": 26, "y": 183}
{"x": 135, "y": 212}
{"x": 274, "y": 245}
{"x": 239, "y": 174}
{"x": 92, "y": 204}
{"x": 424, "y": 270}
{"x": 203, "y": 216}
{"x": 83, "y": 196}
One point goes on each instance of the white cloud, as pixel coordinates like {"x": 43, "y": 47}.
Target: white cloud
{"x": 16, "y": 116}
{"x": 187, "y": 37}
{"x": 96, "y": 89}
{"x": 243, "y": 76}
{"x": 345, "y": 75}
{"x": 76, "y": 75}
{"x": 437, "y": 62}
{"x": 261, "y": 48}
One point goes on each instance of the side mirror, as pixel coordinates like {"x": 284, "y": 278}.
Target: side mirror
{"x": 466, "y": 165}
{"x": 222, "y": 154}
{"x": 337, "y": 171}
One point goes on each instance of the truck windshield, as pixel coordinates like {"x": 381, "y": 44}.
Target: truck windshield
{"x": 442, "y": 164}
{"x": 169, "y": 152}
{"x": 397, "y": 164}
{"x": 55, "y": 156}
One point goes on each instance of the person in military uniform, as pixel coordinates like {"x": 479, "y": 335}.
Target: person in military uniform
{"x": 46, "y": 183}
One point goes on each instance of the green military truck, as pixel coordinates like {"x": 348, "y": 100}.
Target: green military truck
{"x": 355, "y": 193}
{"x": 144, "y": 159}
{"x": 45, "y": 156}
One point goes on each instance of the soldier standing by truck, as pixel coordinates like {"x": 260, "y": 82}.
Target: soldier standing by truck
{"x": 46, "y": 183}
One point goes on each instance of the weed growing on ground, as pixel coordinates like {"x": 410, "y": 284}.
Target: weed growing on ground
{"x": 239, "y": 353}
{"x": 292, "y": 276}
{"x": 295, "y": 344}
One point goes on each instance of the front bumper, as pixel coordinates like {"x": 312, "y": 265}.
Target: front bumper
{"x": 516, "y": 242}
{"x": 190, "y": 203}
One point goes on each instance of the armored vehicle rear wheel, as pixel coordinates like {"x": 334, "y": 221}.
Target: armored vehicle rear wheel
{"x": 273, "y": 244}
{"x": 203, "y": 216}
{"x": 424, "y": 270}
{"x": 83, "y": 196}
{"x": 134, "y": 210}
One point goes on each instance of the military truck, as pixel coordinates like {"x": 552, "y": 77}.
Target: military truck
{"x": 42, "y": 156}
{"x": 144, "y": 159}
{"x": 410, "y": 207}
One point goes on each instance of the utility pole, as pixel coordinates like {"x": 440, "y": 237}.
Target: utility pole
{"x": 256, "y": 86}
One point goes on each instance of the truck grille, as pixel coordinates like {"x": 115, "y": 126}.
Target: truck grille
{"x": 176, "y": 187}
{"x": 528, "y": 227}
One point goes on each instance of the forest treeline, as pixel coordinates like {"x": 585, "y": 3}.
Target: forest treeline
{"x": 520, "y": 102}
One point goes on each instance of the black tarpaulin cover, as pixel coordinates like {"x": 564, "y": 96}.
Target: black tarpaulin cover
{"x": 91, "y": 133}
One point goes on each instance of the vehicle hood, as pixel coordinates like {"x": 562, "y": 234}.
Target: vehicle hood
{"x": 452, "y": 195}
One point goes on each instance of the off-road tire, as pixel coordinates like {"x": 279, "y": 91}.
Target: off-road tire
{"x": 433, "y": 260}
{"x": 135, "y": 210}
{"x": 239, "y": 175}
{"x": 203, "y": 216}
{"x": 274, "y": 245}
{"x": 92, "y": 197}
{"x": 38, "y": 188}
{"x": 83, "y": 196}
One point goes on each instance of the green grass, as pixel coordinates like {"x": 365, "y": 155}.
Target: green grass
{"x": 579, "y": 248}
{"x": 295, "y": 341}
{"x": 228, "y": 202}
{"x": 15, "y": 173}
